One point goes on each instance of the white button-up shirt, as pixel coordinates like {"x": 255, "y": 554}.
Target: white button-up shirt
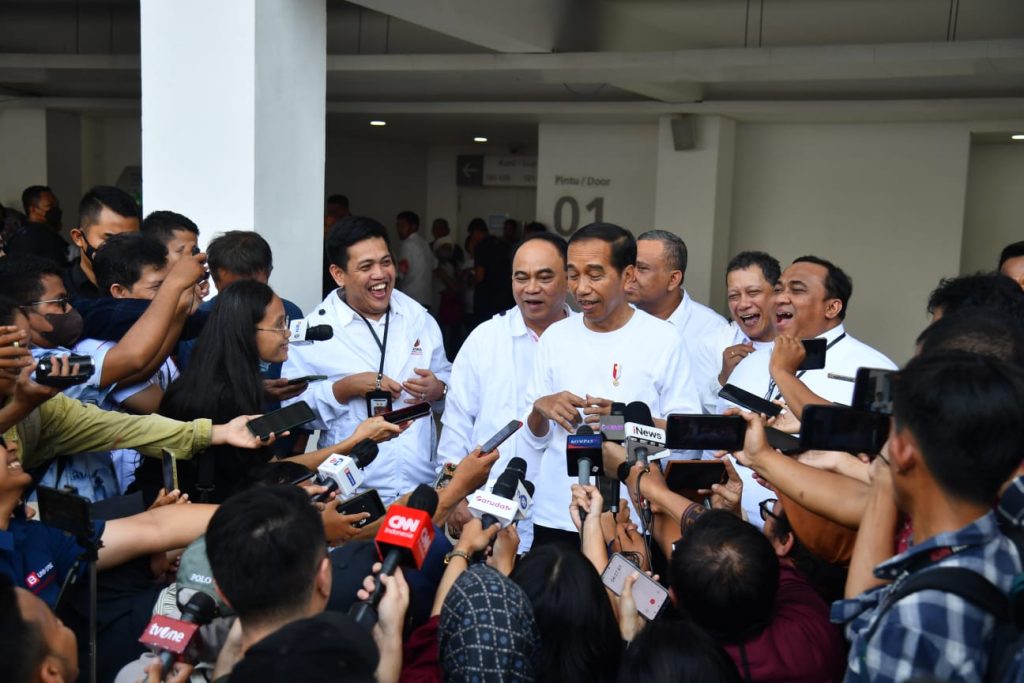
{"x": 713, "y": 347}
{"x": 699, "y": 327}
{"x": 414, "y": 341}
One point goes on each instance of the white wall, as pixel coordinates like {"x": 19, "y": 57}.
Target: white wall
{"x": 109, "y": 144}
{"x": 883, "y": 201}
{"x": 995, "y": 204}
{"x": 23, "y": 152}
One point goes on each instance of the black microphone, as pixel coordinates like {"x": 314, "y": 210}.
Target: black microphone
{"x": 199, "y": 610}
{"x": 303, "y": 333}
{"x": 319, "y": 333}
{"x": 637, "y": 412}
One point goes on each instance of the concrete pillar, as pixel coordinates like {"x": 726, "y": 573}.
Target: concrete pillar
{"x": 693, "y": 198}
{"x": 23, "y": 145}
{"x": 233, "y": 111}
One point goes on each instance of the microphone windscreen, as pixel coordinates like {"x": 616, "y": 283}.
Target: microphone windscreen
{"x": 506, "y": 485}
{"x": 423, "y": 498}
{"x": 637, "y": 412}
{"x": 517, "y": 464}
{"x": 200, "y": 608}
{"x": 319, "y": 333}
{"x": 584, "y": 430}
{"x": 364, "y": 452}
{"x": 618, "y": 409}
{"x": 530, "y": 488}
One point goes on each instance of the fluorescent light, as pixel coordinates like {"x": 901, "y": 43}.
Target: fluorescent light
{"x": 479, "y": 139}
{"x": 1018, "y": 136}
{"x": 378, "y": 122}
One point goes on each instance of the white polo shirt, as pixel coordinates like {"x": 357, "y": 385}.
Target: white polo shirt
{"x": 418, "y": 281}
{"x": 414, "y": 341}
{"x": 843, "y": 357}
{"x": 641, "y": 361}
{"x": 699, "y": 327}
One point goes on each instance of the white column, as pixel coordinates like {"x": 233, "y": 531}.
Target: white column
{"x": 693, "y": 199}
{"x": 233, "y": 107}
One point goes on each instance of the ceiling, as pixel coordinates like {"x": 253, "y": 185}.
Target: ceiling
{"x": 445, "y": 70}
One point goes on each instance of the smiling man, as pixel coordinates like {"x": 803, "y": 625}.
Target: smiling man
{"x": 613, "y": 351}
{"x": 386, "y": 353}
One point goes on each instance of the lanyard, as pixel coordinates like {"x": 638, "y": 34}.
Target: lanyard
{"x": 771, "y": 383}
{"x": 382, "y": 345}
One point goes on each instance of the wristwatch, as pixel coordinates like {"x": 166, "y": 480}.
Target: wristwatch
{"x": 457, "y": 553}
{"x": 444, "y": 390}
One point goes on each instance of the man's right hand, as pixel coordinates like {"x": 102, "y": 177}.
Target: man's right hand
{"x": 29, "y": 393}
{"x": 458, "y": 518}
{"x": 475, "y": 538}
{"x": 731, "y": 357}
{"x": 561, "y": 408}
{"x": 378, "y": 429}
{"x": 755, "y": 442}
{"x": 472, "y": 471}
{"x": 185, "y": 273}
{"x": 277, "y": 390}
{"x": 12, "y": 357}
{"x": 361, "y": 384}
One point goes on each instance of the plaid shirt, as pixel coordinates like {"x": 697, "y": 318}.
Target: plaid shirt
{"x": 1011, "y": 504}
{"x": 929, "y": 633}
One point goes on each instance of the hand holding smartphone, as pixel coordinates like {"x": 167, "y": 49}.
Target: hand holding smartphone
{"x": 649, "y": 595}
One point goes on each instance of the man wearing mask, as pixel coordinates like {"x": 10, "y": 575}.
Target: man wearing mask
{"x": 40, "y": 235}
{"x": 104, "y": 211}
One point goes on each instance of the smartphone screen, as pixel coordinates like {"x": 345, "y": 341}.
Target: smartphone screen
{"x": 367, "y": 501}
{"x": 65, "y": 510}
{"x": 502, "y": 434}
{"x": 281, "y": 420}
{"x": 705, "y": 432}
{"x": 872, "y": 390}
{"x": 170, "y": 471}
{"x": 308, "y": 379}
{"x": 694, "y": 475}
{"x": 413, "y": 412}
{"x": 648, "y": 594}
{"x": 838, "y": 428}
{"x": 750, "y": 401}
{"x": 815, "y": 359}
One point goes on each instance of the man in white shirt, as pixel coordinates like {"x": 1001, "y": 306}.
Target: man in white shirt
{"x": 658, "y": 289}
{"x": 612, "y": 351}
{"x": 416, "y": 261}
{"x": 490, "y": 374}
{"x": 811, "y": 301}
{"x": 750, "y": 279}
{"x": 385, "y": 348}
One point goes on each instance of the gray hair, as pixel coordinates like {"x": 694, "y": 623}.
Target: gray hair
{"x": 675, "y": 247}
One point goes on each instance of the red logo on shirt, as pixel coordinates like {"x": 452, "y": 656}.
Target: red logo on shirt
{"x": 416, "y": 350}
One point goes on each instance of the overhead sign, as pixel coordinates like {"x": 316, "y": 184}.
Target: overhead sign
{"x": 469, "y": 170}
{"x": 477, "y": 170}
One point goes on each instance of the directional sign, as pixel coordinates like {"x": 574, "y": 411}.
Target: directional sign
{"x": 469, "y": 170}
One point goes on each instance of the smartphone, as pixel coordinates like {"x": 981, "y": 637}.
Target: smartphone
{"x": 649, "y": 595}
{"x": 815, "y": 359}
{"x": 872, "y": 390}
{"x": 839, "y": 428}
{"x": 611, "y": 490}
{"x": 281, "y": 420}
{"x": 65, "y": 510}
{"x": 751, "y": 402}
{"x": 500, "y": 436}
{"x": 306, "y": 380}
{"x": 705, "y": 432}
{"x": 779, "y": 440}
{"x": 694, "y": 475}
{"x": 302, "y": 478}
{"x": 367, "y": 501}
{"x": 447, "y": 472}
{"x": 170, "y": 471}
{"x": 413, "y": 412}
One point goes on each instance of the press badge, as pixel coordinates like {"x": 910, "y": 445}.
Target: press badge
{"x": 378, "y": 402}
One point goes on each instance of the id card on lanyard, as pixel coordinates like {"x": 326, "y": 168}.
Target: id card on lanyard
{"x": 378, "y": 401}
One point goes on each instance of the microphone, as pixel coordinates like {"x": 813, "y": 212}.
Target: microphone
{"x": 171, "y": 637}
{"x": 502, "y": 504}
{"x": 403, "y": 539}
{"x": 344, "y": 473}
{"x": 304, "y": 333}
{"x": 643, "y": 439}
{"x": 583, "y": 453}
{"x": 612, "y": 425}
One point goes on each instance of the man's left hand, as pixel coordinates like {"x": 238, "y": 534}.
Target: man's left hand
{"x": 424, "y": 387}
{"x": 277, "y": 390}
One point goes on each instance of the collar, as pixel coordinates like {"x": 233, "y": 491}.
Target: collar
{"x": 679, "y": 316}
{"x": 833, "y": 334}
{"x": 517, "y": 326}
{"x": 979, "y": 532}
{"x": 345, "y": 314}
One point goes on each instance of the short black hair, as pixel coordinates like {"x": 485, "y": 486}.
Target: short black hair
{"x": 242, "y": 252}
{"x": 123, "y": 257}
{"x": 769, "y": 265}
{"x": 838, "y": 284}
{"x": 265, "y": 546}
{"x": 675, "y": 247}
{"x": 676, "y": 650}
{"x": 992, "y": 291}
{"x": 557, "y": 241}
{"x": 352, "y": 230}
{"x": 1015, "y": 250}
{"x": 725, "y": 574}
{"x": 339, "y": 199}
{"x": 163, "y": 224}
{"x": 964, "y": 410}
{"x": 621, "y": 241}
{"x": 21, "y": 276}
{"x": 22, "y": 644}
{"x": 31, "y": 196}
{"x": 9, "y": 309}
{"x": 477, "y": 225}
{"x": 975, "y": 330}
{"x": 108, "y": 196}
{"x": 534, "y": 226}
{"x": 410, "y": 217}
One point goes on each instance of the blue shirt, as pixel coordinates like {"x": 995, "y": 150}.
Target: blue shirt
{"x": 930, "y": 633}
{"x": 37, "y": 557}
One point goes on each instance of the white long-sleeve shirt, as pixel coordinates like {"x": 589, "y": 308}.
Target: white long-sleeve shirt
{"x": 414, "y": 341}
{"x": 699, "y": 327}
{"x": 642, "y": 361}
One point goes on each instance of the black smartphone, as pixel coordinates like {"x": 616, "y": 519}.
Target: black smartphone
{"x": 65, "y": 510}
{"x": 413, "y": 412}
{"x": 281, "y": 420}
{"x": 751, "y": 402}
{"x": 500, "y": 436}
{"x": 367, "y": 501}
{"x": 694, "y": 475}
{"x": 306, "y": 380}
{"x": 815, "y": 359}
{"x": 705, "y": 432}
{"x": 170, "y": 471}
{"x": 611, "y": 491}
{"x": 872, "y": 390}
{"x": 839, "y": 428}
{"x": 787, "y": 443}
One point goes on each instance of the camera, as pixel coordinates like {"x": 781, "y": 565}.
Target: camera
{"x": 50, "y": 360}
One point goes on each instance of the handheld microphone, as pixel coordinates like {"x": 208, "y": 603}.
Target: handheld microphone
{"x": 304, "y": 333}
{"x": 500, "y": 505}
{"x": 612, "y": 425}
{"x": 643, "y": 439}
{"x": 171, "y": 637}
{"x": 403, "y": 539}
{"x": 525, "y": 499}
{"x": 344, "y": 473}
{"x": 583, "y": 454}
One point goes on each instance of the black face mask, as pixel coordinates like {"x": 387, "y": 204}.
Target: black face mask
{"x": 67, "y": 328}
{"x": 53, "y": 216}
{"x": 90, "y": 252}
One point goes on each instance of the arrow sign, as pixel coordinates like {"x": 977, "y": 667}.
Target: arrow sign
{"x": 469, "y": 170}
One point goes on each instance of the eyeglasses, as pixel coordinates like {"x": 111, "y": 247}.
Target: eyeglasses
{"x": 63, "y": 301}
{"x": 280, "y": 330}
{"x": 766, "y": 509}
